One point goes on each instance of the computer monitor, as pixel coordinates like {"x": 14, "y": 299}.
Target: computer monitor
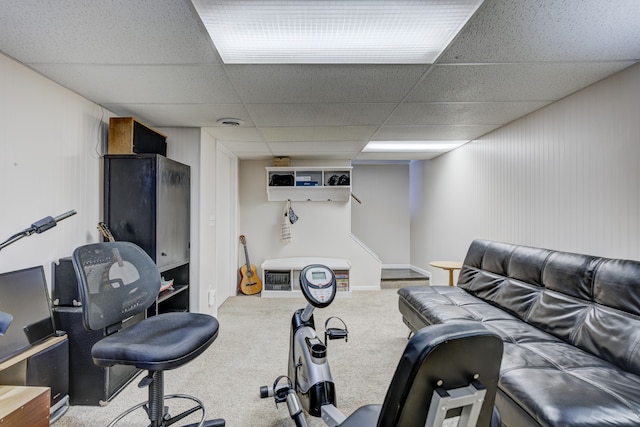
{"x": 24, "y": 295}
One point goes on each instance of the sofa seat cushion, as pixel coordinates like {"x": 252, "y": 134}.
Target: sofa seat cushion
{"x": 548, "y": 380}
{"x": 557, "y": 384}
{"x": 440, "y": 304}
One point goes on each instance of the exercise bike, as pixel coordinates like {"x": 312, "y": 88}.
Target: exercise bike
{"x": 309, "y": 385}
{"x": 448, "y": 372}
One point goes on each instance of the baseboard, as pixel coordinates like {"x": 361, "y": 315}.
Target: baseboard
{"x": 392, "y": 266}
{"x": 421, "y": 271}
{"x": 366, "y": 288}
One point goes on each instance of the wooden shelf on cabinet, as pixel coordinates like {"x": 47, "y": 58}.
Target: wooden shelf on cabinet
{"x": 313, "y": 184}
{"x": 128, "y": 136}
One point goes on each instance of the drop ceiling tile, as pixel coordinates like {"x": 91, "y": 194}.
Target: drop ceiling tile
{"x": 432, "y": 132}
{"x": 510, "y": 82}
{"x": 183, "y": 115}
{"x": 275, "y": 84}
{"x": 236, "y": 134}
{"x": 324, "y": 150}
{"x": 396, "y": 156}
{"x": 461, "y": 113}
{"x": 247, "y": 148}
{"x": 322, "y": 146}
{"x": 104, "y": 32}
{"x": 323, "y": 114}
{"x": 550, "y": 30}
{"x": 305, "y": 134}
{"x": 141, "y": 84}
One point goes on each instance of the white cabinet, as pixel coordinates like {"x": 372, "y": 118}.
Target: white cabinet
{"x": 317, "y": 184}
{"x": 281, "y": 276}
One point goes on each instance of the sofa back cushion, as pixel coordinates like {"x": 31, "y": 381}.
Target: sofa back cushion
{"x": 587, "y": 301}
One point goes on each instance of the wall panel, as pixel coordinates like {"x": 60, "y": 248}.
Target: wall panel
{"x": 51, "y": 144}
{"x": 565, "y": 177}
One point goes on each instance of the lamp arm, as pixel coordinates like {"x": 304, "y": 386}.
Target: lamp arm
{"x": 37, "y": 227}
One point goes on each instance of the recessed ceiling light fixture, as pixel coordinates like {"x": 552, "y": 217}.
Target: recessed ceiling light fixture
{"x": 229, "y": 121}
{"x": 412, "y": 146}
{"x": 333, "y": 32}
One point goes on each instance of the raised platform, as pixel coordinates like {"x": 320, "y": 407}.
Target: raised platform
{"x": 395, "y": 278}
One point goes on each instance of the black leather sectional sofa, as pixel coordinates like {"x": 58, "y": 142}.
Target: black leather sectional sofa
{"x": 570, "y": 324}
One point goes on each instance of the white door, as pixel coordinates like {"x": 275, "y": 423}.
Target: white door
{"x": 226, "y": 246}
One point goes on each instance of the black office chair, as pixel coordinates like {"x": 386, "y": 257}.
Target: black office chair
{"x": 119, "y": 280}
{"x": 446, "y": 371}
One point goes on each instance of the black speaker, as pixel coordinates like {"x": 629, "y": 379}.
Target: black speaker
{"x": 64, "y": 284}
{"x": 50, "y": 368}
{"x": 88, "y": 383}
{"x": 47, "y": 368}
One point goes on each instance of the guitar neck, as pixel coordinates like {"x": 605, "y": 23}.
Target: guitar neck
{"x": 246, "y": 257}
{"x": 106, "y": 232}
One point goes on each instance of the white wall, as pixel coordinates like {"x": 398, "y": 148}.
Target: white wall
{"x": 225, "y": 224}
{"x": 323, "y": 230}
{"x": 210, "y": 267}
{"x": 565, "y": 177}
{"x": 382, "y": 221}
{"x": 51, "y": 144}
{"x": 51, "y": 141}
{"x": 186, "y": 145}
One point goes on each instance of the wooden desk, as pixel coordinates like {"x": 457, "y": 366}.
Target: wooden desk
{"x": 24, "y": 406}
{"x": 450, "y": 266}
{"x": 50, "y": 342}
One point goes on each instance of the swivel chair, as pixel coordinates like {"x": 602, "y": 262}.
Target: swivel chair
{"x": 447, "y": 370}
{"x": 118, "y": 280}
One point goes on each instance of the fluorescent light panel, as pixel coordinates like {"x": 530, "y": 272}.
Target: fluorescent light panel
{"x": 412, "y": 146}
{"x": 333, "y": 32}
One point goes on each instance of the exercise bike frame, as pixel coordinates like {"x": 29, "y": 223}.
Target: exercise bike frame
{"x": 309, "y": 368}
{"x": 309, "y": 382}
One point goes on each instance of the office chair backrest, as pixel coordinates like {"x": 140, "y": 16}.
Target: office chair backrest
{"x": 449, "y": 356}
{"x": 117, "y": 280}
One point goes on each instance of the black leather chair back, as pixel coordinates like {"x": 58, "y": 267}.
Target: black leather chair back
{"x": 117, "y": 280}
{"x": 449, "y": 355}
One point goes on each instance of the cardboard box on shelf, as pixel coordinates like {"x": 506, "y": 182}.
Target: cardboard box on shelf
{"x": 281, "y": 161}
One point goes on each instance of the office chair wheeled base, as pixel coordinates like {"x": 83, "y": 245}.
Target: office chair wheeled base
{"x": 158, "y": 413}
{"x": 171, "y": 420}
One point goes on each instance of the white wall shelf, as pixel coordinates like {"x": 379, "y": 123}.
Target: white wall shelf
{"x": 281, "y": 276}
{"x": 314, "y": 184}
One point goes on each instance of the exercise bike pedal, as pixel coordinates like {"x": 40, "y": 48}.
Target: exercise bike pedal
{"x": 277, "y": 391}
{"x": 335, "y": 333}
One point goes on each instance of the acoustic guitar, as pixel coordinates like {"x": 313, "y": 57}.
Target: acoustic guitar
{"x": 250, "y": 283}
{"x": 121, "y": 271}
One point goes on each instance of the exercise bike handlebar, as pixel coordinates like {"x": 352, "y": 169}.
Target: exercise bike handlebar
{"x": 307, "y": 312}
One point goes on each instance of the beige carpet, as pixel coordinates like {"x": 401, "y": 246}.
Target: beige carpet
{"x": 252, "y": 350}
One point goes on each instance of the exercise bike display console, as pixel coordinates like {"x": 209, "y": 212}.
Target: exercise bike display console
{"x": 318, "y": 285}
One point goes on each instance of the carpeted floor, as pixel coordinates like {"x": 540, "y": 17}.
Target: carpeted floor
{"x": 251, "y": 351}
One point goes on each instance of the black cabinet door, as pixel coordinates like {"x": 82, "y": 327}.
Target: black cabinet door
{"x": 146, "y": 201}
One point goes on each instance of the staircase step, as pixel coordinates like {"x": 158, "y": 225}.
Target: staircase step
{"x": 397, "y": 284}
{"x": 395, "y": 278}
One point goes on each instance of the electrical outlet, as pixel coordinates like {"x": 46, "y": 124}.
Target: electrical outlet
{"x": 212, "y": 298}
